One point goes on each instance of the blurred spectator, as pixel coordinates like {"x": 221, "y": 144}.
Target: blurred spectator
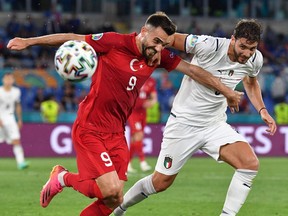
{"x": 49, "y": 109}
{"x": 218, "y": 31}
{"x": 278, "y": 88}
{"x": 153, "y": 114}
{"x": 166, "y": 93}
{"x": 73, "y": 24}
{"x": 69, "y": 100}
{"x": 28, "y": 28}
{"x": 38, "y": 99}
{"x": 52, "y": 21}
{"x": 281, "y": 112}
{"x": 194, "y": 28}
{"x": 13, "y": 26}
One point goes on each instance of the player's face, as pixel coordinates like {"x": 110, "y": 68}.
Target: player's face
{"x": 154, "y": 40}
{"x": 242, "y": 49}
{"x": 8, "y": 80}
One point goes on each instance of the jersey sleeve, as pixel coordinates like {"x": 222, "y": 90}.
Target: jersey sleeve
{"x": 200, "y": 44}
{"x": 169, "y": 60}
{"x": 103, "y": 42}
{"x": 257, "y": 62}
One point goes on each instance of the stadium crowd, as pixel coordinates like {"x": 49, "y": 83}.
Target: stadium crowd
{"x": 273, "y": 78}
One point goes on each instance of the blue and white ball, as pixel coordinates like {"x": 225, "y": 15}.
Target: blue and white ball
{"x": 75, "y": 61}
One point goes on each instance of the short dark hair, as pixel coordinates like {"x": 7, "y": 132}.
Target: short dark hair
{"x": 249, "y": 29}
{"x": 160, "y": 19}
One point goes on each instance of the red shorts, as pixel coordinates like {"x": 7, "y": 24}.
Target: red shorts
{"x": 137, "y": 122}
{"x": 99, "y": 153}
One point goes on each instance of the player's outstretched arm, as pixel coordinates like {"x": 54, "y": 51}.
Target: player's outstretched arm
{"x": 18, "y": 43}
{"x": 205, "y": 78}
{"x": 253, "y": 90}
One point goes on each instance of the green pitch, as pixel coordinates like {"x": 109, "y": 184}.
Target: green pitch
{"x": 199, "y": 190}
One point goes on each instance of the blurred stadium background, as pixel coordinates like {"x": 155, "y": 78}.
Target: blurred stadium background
{"x": 36, "y": 76}
{"x": 34, "y": 68}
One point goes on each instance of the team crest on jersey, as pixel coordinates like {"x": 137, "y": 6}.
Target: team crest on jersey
{"x": 231, "y": 72}
{"x": 193, "y": 40}
{"x": 97, "y": 36}
{"x": 168, "y": 161}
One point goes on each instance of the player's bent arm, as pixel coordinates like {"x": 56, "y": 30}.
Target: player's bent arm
{"x": 47, "y": 40}
{"x": 205, "y": 78}
{"x": 178, "y": 41}
{"x": 253, "y": 92}
{"x": 18, "y": 110}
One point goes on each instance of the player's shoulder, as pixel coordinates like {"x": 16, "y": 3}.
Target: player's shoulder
{"x": 256, "y": 59}
{"x": 112, "y": 37}
{"x": 205, "y": 42}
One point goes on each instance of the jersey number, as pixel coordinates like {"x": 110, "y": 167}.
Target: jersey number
{"x": 106, "y": 159}
{"x": 132, "y": 83}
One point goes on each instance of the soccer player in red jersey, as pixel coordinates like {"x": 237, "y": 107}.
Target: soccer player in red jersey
{"x": 125, "y": 61}
{"x": 137, "y": 122}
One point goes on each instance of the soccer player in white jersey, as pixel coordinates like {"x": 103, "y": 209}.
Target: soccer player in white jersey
{"x": 198, "y": 116}
{"x": 9, "y": 128}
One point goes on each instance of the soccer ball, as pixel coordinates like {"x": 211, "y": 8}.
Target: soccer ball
{"x": 75, "y": 61}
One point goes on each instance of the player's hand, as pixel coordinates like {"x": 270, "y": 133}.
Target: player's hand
{"x": 17, "y": 44}
{"x": 233, "y": 101}
{"x": 272, "y": 127}
{"x": 1, "y": 124}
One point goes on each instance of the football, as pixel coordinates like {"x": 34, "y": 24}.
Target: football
{"x": 75, "y": 61}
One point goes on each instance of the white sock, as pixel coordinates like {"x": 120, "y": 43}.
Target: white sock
{"x": 238, "y": 191}
{"x": 61, "y": 178}
{"x": 19, "y": 153}
{"x": 138, "y": 192}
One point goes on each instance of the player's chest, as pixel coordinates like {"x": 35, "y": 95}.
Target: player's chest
{"x": 127, "y": 70}
{"x": 7, "y": 97}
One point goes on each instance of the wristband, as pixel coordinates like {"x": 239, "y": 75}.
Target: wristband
{"x": 261, "y": 110}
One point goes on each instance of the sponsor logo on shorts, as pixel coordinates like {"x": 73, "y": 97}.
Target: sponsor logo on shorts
{"x": 97, "y": 36}
{"x": 168, "y": 161}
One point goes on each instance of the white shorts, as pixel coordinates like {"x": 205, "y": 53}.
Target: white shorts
{"x": 181, "y": 141}
{"x": 10, "y": 130}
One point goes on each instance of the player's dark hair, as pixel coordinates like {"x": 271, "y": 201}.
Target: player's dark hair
{"x": 160, "y": 19}
{"x": 249, "y": 29}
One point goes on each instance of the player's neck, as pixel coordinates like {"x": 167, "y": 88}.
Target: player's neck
{"x": 7, "y": 88}
{"x": 138, "y": 42}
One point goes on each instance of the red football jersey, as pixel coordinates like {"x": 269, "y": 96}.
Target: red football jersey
{"x": 116, "y": 83}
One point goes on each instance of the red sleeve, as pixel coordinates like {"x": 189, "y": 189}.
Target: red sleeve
{"x": 169, "y": 60}
{"x": 103, "y": 42}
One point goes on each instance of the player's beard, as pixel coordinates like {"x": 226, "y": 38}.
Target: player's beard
{"x": 148, "y": 52}
{"x": 239, "y": 58}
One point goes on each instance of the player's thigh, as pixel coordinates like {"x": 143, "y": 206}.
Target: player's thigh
{"x": 11, "y": 131}
{"x": 110, "y": 185}
{"x": 179, "y": 143}
{"x": 219, "y": 135}
{"x": 93, "y": 159}
{"x": 240, "y": 155}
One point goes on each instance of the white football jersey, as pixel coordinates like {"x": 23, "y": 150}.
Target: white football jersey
{"x": 198, "y": 105}
{"x": 8, "y": 99}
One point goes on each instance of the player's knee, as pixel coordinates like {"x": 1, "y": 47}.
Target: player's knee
{"x": 162, "y": 182}
{"x": 113, "y": 190}
{"x": 254, "y": 163}
{"x": 251, "y": 163}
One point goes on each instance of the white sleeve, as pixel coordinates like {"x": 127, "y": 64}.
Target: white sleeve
{"x": 257, "y": 61}
{"x": 200, "y": 44}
